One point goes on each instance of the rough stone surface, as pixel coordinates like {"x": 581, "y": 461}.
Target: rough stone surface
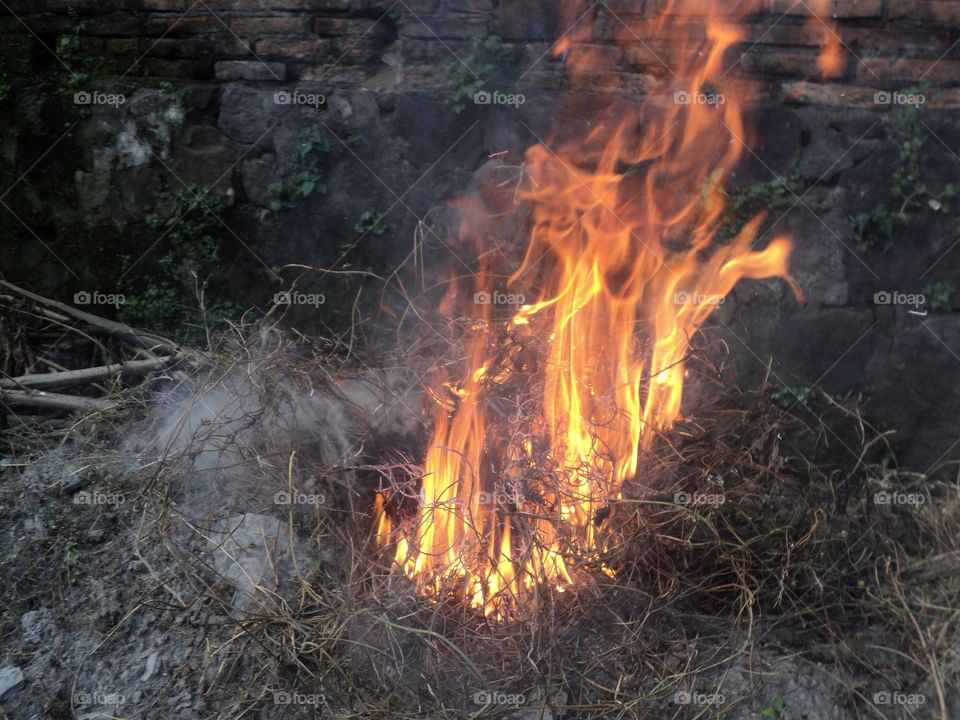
{"x": 824, "y": 158}
{"x": 10, "y": 677}
{"x": 255, "y": 554}
{"x": 249, "y": 70}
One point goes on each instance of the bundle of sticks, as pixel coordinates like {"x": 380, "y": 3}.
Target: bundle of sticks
{"x": 36, "y": 380}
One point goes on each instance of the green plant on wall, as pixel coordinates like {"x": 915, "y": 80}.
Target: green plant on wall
{"x": 176, "y": 297}
{"x": 873, "y": 228}
{"x": 744, "y": 204}
{"x": 72, "y": 50}
{"x": 909, "y": 193}
{"x": 938, "y": 295}
{"x": 371, "y": 222}
{"x": 311, "y": 156}
{"x": 486, "y": 58}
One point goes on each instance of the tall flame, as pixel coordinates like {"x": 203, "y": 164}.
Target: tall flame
{"x": 626, "y": 264}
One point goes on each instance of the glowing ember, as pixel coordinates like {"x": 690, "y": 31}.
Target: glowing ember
{"x": 625, "y": 262}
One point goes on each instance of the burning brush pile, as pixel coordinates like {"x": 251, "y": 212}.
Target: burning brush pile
{"x": 540, "y": 425}
{"x": 560, "y": 532}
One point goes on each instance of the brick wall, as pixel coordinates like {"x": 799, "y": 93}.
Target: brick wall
{"x": 888, "y": 44}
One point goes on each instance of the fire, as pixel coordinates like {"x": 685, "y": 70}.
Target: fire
{"x": 624, "y": 264}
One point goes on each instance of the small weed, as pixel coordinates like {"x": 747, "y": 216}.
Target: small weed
{"x": 742, "y": 205}
{"x": 874, "y": 229}
{"x": 169, "y": 88}
{"x": 190, "y": 233}
{"x": 371, "y": 222}
{"x": 786, "y": 397}
{"x": 73, "y": 53}
{"x": 71, "y": 561}
{"x": 487, "y": 57}
{"x": 938, "y": 294}
{"x": 776, "y": 710}
{"x": 312, "y": 151}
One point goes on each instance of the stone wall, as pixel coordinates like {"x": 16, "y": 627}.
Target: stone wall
{"x": 204, "y": 105}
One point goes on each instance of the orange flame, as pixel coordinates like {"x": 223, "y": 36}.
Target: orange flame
{"x": 626, "y": 264}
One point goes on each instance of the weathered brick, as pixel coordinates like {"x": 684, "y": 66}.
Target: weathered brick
{"x": 180, "y": 26}
{"x": 897, "y": 40}
{"x": 656, "y": 58}
{"x": 781, "y": 34}
{"x": 443, "y": 27}
{"x": 875, "y": 39}
{"x": 765, "y": 61}
{"x": 468, "y": 6}
{"x": 129, "y": 48}
{"x": 835, "y": 9}
{"x": 161, "y": 5}
{"x": 268, "y": 26}
{"x": 422, "y": 6}
{"x": 832, "y": 94}
{"x": 893, "y": 70}
{"x": 311, "y": 49}
{"x": 359, "y": 50}
{"x": 595, "y": 58}
{"x": 249, "y": 70}
{"x": 211, "y": 47}
{"x": 528, "y": 20}
{"x": 943, "y": 100}
{"x": 315, "y": 5}
{"x": 838, "y": 95}
{"x": 634, "y": 31}
{"x": 196, "y": 69}
{"x": 121, "y": 23}
{"x": 941, "y": 11}
{"x": 338, "y": 73}
{"x": 349, "y": 27}
{"x": 83, "y": 7}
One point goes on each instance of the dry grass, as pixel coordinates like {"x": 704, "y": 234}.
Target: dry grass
{"x": 798, "y": 561}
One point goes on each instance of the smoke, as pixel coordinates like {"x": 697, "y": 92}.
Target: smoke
{"x": 236, "y": 441}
